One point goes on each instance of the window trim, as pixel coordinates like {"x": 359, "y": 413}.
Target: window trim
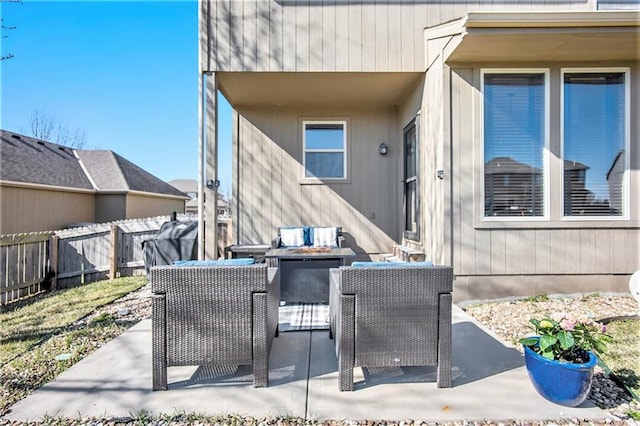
{"x": 545, "y": 150}
{"x": 344, "y": 151}
{"x": 627, "y": 142}
{"x": 411, "y": 235}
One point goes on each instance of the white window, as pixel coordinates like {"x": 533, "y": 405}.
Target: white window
{"x": 595, "y": 129}
{"x": 325, "y": 149}
{"x": 515, "y": 143}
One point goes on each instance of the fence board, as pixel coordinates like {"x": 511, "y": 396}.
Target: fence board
{"x": 23, "y": 265}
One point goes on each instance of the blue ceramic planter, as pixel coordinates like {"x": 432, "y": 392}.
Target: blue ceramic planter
{"x": 561, "y": 382}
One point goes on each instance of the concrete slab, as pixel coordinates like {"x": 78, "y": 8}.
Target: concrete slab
{"x": 116, "y": 381}
{"x": 490, "y": 382}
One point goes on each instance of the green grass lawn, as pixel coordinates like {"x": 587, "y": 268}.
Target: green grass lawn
{"x": 623, "y": 355}
{"x": 35, "y": 332}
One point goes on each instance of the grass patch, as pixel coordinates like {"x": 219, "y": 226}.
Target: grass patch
{"x": 32, "y": 322}
{"x": 623, "y": 355}
{"x": 33, "y": 334}
{"x": 537, "y": 298}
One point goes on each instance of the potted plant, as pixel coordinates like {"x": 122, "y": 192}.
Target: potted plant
{"x": 560, "y": 359}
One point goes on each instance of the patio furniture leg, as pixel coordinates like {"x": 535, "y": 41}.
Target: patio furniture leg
{"x": 159, "y": 342}
{"x": 346, "y": 338}
{"x": 444, "y": 342}
{"x": 260, "y": 343}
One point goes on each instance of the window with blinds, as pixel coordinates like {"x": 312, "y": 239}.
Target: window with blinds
{"x": 594, "y": 135}
{"x": 514, "y": 143}
{"x": 325, "y": 148}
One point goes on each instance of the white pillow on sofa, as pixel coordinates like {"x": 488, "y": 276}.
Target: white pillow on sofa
{"x": 325, "y": 237}
{"x": 291, "y": 237}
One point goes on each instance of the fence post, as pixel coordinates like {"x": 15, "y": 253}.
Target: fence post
{"x": 113, "y": 253}
{"x": 55, "y": 240}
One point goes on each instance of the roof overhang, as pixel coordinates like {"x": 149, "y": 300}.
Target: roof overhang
{"x": 541, "y": 36}
{"x": 317, "y": 88}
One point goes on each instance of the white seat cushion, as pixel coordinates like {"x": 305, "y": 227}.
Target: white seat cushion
{"x": 291, "y": 237}
{"x": 325, "y": 237}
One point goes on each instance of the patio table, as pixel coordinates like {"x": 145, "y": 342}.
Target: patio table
{"x": 304, "y": 271}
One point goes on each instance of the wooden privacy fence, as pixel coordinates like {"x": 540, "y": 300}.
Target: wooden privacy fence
{"x": 24, "y": 265}
{"x": 32, "y": 263}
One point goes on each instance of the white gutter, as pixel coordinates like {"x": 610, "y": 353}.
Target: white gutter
{"x": 551, "y": 19}
{"x": 46, "y": 187}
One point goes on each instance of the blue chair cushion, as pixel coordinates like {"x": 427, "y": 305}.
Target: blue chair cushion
{"x": 222, "y": 262}
{"x": 391, "y": 264}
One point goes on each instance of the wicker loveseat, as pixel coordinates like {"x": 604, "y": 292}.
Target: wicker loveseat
{"x": 384, "y": 315}
{"x": 307, "y": 236}
{"x": 213, "y": 315}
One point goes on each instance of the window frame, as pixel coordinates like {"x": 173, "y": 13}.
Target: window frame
{"x": 546, "y": 198}
{"x": 627, "y": 141}
{"x": 343, "y": 151}
{"x": 408, "y": 234}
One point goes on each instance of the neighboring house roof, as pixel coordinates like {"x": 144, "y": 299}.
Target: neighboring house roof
{"x": 111, "y": 172}
{"x": 504, "y": 165}
{"x": 185, "y": 185}
{"x": 33, "y": 161}
{"x": 29, "y": 160}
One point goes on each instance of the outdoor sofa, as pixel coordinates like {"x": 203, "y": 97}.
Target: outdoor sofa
{"x": 309, "y": 236}
{"x": 214, "y": 313}
{"x": 385, "y": 314}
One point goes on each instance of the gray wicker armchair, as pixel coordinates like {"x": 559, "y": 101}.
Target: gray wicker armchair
{"x": 391, "y": 316}
{"x": 213, "y": 315}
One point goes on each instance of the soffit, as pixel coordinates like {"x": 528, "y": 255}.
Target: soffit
{"x": 317, "y": 88}
{"x": 546, "y": 36}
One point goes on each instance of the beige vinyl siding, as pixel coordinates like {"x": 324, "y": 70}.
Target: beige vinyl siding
{"x": 139, "y": 205}
{"x": 110, "y": 207}
{"x": 269, "y": 191}
{"x": 332, "y": 35}
{"x": 31, "y": 209}
{"x": 491, "y": 255}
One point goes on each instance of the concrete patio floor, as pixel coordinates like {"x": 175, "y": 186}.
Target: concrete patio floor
{"x": 489, "y": 383}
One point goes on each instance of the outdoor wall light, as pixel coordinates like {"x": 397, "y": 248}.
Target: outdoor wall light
{"x": 383, "y": 149}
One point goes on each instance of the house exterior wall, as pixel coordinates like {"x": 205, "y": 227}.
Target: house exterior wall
{"x": 140, "y": 205}
{"x": 490, "y": 260}
{"x": 511, "y": 258}
{"x": 310, "y": 35}
{"x": 267, "y": 188}
{"x": 110, "y": 207}
{"x": 24, "y": 209}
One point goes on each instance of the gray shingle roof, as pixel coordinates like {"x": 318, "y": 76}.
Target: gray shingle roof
{"x": 111, "y": 172}
{"x": 30, "y": 160}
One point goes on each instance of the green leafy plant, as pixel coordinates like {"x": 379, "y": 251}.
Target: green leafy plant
{"x": 561, "y": 337}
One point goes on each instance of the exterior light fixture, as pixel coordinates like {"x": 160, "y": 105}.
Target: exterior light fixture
{"x": 383, "y": 149}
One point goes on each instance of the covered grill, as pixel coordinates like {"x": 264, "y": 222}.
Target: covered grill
{"x": 176, "y": 240}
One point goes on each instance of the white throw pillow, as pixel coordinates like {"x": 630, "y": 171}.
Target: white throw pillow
{"x": 292, "y": 237}
{"x": 325, "y": 237}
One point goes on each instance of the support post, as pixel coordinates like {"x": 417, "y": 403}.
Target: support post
{"x": 211, "y": 166}
{"x": 54, "y": 250}
{"x": 113, "y": 253}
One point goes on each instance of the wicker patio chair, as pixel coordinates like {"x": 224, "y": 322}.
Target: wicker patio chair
{"x": 391, "y": 316}
{"x": 213, "y": 315}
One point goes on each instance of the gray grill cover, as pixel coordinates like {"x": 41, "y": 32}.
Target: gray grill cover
{"x": 174, "y": 241}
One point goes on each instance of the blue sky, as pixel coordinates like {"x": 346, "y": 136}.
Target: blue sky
{"x": 124, "y": 72}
